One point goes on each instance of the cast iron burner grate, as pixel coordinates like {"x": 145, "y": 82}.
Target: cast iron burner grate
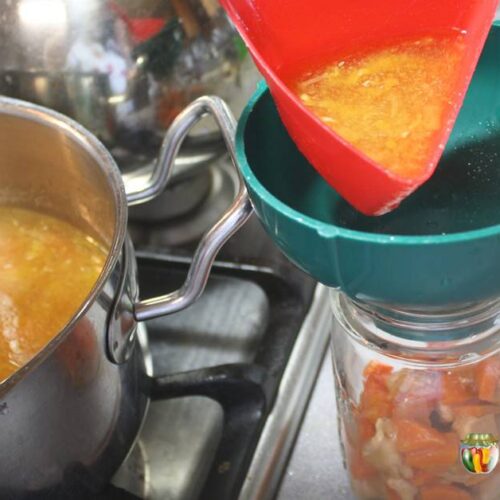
{"x": 273, "y": 309}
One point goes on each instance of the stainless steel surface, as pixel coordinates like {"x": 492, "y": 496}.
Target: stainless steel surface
{"x": 226, "y": 325}
{"x": 281, "y": 427}
{"x": 52, "y": 164}
{"x": 142, "y": 188}
{"x": 180, "y": 200}
{"x": 70, "y": 404}
{"x": 124, "y": 69}
{"x": 237, "y": 214}
{"x": 133, "y": 474}
{"x": 65, "y": 171}
{"x": 316, "y": 470}
{"x": 121, "y": 326}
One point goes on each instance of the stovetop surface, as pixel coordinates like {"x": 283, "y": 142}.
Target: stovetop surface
{"x": 316, "y": 468}
{"x": 248, "y": 315}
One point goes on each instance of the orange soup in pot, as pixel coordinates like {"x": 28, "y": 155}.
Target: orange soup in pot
{"x": 47, "y": 269}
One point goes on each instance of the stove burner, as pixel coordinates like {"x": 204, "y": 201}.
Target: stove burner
{"x": 189, "y": 227}
{"x": 244, "y": 328}
{"x": 178, "y": 201}
{"x": 253, "y": 342}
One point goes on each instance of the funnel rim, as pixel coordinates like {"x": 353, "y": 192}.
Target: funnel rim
{"x": 327, "y": 230}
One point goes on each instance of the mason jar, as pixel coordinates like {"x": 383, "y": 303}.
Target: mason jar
{"x": 418, "y": 399}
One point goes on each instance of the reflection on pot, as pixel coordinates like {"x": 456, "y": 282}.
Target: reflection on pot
{"x": 79, "y": 355}
{"x": 124, "y": 69}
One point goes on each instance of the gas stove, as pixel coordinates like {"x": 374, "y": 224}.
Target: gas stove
{"x": 255, "y": 339}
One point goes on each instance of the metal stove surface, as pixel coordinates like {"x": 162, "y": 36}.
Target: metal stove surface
{"x": 248, "y": 315}
{"x": 186, "y": 230}
{"x": 180, "y": 436}
{"x": 258, "y": 311}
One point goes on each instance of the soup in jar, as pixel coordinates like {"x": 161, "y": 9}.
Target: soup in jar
{"x": 47, "y": 269}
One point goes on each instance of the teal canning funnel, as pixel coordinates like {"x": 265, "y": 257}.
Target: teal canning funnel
{"x": 440, "y": 247}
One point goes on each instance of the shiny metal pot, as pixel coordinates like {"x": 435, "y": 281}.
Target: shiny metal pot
{"x": 79, "y": 403}
{"x": 124, "y": 69}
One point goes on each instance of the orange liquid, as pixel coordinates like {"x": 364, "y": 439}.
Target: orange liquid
{"x": 390, "y": 103}
{"x": 47, "y": 269}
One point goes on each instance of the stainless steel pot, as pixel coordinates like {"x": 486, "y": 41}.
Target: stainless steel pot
{"x": 124, "y": 69}
{"x": 79, "y": 403}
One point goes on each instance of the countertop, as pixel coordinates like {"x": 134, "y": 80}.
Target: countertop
{"x": 315, "y": 470}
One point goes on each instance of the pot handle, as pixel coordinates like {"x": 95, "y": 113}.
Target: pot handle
{"x": 237, "y": 214}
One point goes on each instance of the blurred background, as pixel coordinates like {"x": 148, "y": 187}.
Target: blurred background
{"x": 125, "y": 68}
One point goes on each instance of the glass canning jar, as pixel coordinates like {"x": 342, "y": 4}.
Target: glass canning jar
{"x": 418, "y": 398}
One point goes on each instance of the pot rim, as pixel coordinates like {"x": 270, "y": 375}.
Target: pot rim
{"x": 84, "y": 139}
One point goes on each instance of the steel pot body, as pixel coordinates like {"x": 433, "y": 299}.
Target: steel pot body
{"x": 72, "y": 417}
{"x": 73, "y": 412}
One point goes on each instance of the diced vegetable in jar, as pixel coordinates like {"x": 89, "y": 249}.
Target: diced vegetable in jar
{"x": 426, "y": 434}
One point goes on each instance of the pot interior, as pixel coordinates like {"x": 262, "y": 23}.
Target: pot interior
{"x": 52, "y": 165}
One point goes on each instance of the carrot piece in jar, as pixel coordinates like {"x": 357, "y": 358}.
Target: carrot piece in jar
{"x": 443, "y": 492}
{"x": 366, "y": 430}
{"x": 457, "y": 388}
{"x": 377, "y": 370}
{"x": 375, "y": 399}
{"x": 392, "y": 495}
{"x": 487, "y": 377}
{"x": 414, "y": 436}
{"x": 435, "y": 457}
{"x": 476, "y": 410}
{"x": 422, "y": 477}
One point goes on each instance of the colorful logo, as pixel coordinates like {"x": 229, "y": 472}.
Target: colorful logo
{"x": 479, "y": 453}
